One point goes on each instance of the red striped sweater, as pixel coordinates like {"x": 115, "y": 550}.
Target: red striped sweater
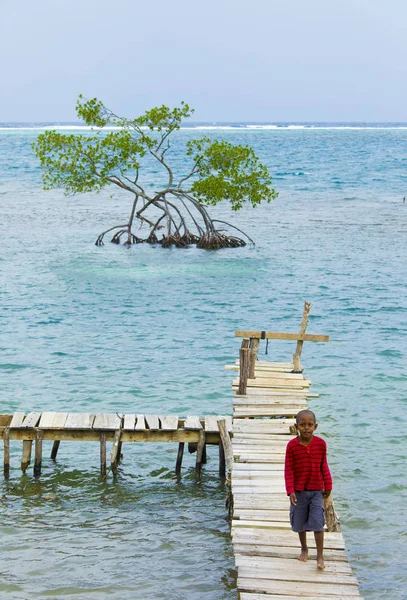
{"x": 306, "y": 467}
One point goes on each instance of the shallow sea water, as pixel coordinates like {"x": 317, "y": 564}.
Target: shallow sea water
{"x": 149, "y": 330}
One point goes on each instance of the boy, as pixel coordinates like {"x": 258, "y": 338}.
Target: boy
{"x": 307, "y": 481}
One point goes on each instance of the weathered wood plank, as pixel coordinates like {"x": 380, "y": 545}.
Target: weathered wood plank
{"x": 285, "y": 552}
{"x": 152, "y": 422}
{"x": 169, "y": 422}
{"x": 53, "y": 420}
{"x": 140, "y": 423}
{"x": 129, "y": 422}
{"x": 273, "y": 335}
{"x": 315, "y": 577}
{"x": 31, "y": 419}
{"x": 278, "y": 537}
{"x": 254, "y": 596}
{"x": 193, "y": 423}
{"x": 79, "y": 421}
{"x": 286, "y": 566}
{"x": 299, "y": 589}
{"x": 107, "y": 421}
{"x": 17, "y": 420}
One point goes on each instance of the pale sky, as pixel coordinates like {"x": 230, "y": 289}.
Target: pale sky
{"x": 232, "y": 60}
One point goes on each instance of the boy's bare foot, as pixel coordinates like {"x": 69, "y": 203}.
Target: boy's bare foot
{"x": 303, "y": 557}
{"x": 320, "y": 563}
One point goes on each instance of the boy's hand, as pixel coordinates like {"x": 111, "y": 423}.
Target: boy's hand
{"x": 293, "y": 499}
{"x": 326, "y": 494}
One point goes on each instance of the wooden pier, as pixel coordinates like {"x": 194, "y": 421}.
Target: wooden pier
{"x": 36, "y": 427}
{"x": 268, "y": 396}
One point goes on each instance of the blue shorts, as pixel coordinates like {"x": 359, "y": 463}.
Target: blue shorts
{"x": 308, "y": 514}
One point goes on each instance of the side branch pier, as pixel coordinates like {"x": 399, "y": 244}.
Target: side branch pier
{"x": 268, "y": 396}
{"x": 37, "y": 427}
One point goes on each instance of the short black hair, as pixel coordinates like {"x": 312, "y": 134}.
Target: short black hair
{"x": 302, "y": 412}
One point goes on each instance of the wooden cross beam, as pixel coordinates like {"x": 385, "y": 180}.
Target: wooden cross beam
{"x": 300, "y": 337}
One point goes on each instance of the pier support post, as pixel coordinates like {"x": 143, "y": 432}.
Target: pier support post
{"x": 331, "y": 518}
{"x": 103, "y": 455}
{"x": 243, "y": 369}
{"x": 6, "y": 439}
{"x": 115, "y": 455}
{"x": 222, "y": 464}
{"x": 199, "y": 452}
{"x": 253, "y": 352}
{"x": 26, "y": 457}
{"x": 55, "y": 448}
{"x": 180, "y": 454}
{"x": 303, "y": 328}
{"x": 227, "y": 446}
{"x": 38, "y": 452}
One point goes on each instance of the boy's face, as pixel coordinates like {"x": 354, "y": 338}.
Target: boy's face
{"x": 306, "y": 426}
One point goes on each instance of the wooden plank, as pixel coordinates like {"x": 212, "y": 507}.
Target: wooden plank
{"x": 169, "y": 422}
{"x": 140, "y": 423}
{"x": 211, "y": 423}
{"x": 129, "y": 421}
{"x": 256, "y": 514}
{"x": 192, "y": 423}
{"x": 286, "y": 566}
{"x": 107, "y": 421}
{"x": 17, "y": 420}
{"x": 267, "y": 525}
{"x": 254, "y": 596}
{"x": 53, "y": 420}
{"x": 32, "y": 419}
{"x": 152, "y": 422}
{"x": 301, "y": 589}
{"x": 286, "y": 552}
{"x": 278, "y": 537}
{"x": 79, "y": 421}
{"x": 265, "y": 411}
{"x": 315, "y": 577}
{"x": 273, "y": 335}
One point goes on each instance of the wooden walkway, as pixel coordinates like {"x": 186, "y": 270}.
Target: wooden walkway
{"x": 265, "y": 548}
{"x": 36, "y": 427}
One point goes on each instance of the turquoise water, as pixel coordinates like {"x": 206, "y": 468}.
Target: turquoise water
{"x": 149, "y": 330}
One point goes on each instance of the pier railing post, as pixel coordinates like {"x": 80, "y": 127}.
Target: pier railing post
{"x": 26, "y": 457}
{"x": 300, "y": 343}
{"x": 103, "y": 455}
{"x": 331, "y": 518}
{"x": 243, "y": 368}
{"x": 38, "y": 452}
{"x": 6, "y": 438}
{"x": 254, "y": 350}
{"x": 199, "y": 452}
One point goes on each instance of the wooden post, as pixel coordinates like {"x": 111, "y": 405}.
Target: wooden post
{"x": 55, "y": 448}
{"x": 180, "y": 454}
{"x": 243, "y": 370}
{"x": 114, "y": 457}
{"x": 245, "y": 343}
{"x": 331, "y": 518}
{"x": 119, "y": 453}
{"x": 6, "y": 438}
{"x": 254, "y": 350}
{"x": 303, "y": 328}
{"x": 26, "y": 457}
{"x": 103, "y": 455}
{"x": 227, "y": 445}
{"x": 199, "y": 452}
{"x": 38, "y": 452}
{"x": 222, "y": 464}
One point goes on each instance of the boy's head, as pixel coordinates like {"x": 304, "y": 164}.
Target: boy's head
{"x": 305, "y": 424}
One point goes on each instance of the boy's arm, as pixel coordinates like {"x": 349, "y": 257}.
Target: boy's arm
{"x": 289, "y": 471}
{"x": 326, "y": 475}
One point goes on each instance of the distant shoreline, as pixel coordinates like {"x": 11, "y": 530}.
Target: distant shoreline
{"x": 243, "y": 125}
